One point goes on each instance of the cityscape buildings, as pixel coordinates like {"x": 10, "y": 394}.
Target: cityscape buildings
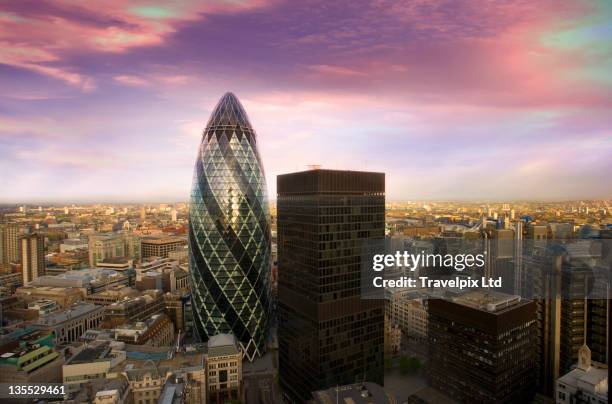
{"x": 229, "y": 232}
{"x": 141, "y": 308}
{"x": 146, "y": 256}
{"x": 328, "y": 335}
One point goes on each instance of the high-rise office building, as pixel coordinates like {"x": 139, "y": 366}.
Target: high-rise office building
{"x": 32, "y": 257}
{"x": 229, "y": 232}
{"x": 482, "y": 347}
{"x": 567, "y": 318}
{"x": 9, "y": 246}
{"x": 328, "y": 335}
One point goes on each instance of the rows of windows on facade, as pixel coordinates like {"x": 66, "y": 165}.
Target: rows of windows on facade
{"x": 231, "y": 298}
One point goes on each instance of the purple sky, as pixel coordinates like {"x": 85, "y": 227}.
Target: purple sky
{"x": 455, "y": 99}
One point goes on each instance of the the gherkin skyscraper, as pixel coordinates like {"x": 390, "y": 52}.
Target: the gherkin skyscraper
{"x": 229, "y": 231}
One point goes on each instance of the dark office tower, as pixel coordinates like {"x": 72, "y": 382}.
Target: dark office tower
{"x": 566, "y": 318}
{"x": 597, "y": 323}
{"x": 229, "y": 232}
{"x": 541, "y": 279}
{"x": 482, "y": 347}
{"x": 328, "y": 335}
{"x": 32, "y": 257}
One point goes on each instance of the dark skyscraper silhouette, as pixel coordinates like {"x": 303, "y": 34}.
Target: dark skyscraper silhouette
{"x": 328, "y": 334}
{"x": 229, "y": 231}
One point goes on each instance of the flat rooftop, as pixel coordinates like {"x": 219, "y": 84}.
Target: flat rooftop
{"x": 76, "y": 310}
{"x": 91, "y": 354}
{"x": 162, "y": 240}
{"x": 489, "y": 301}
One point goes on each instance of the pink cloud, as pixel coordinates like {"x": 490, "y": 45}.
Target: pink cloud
{"x": 37, "y": 38}
{"x": 131, "y": 80}
{"x": 335, "y": 70}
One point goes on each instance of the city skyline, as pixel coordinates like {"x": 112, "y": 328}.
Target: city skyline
{"x": 492, "y": 101}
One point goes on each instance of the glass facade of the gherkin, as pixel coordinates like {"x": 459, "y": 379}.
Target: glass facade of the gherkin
{"x": 229, "y": 232}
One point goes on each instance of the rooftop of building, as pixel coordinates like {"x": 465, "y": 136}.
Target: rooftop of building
{"x": 222, "y": 344}
{"x": 41, "y": 303}
{"x": 489, "y": 301}
{"x": 138, "y": 327}
{"x": 102, "y": 236}
{"x": 100, "y": 335}
{"x": 46, "y": 290}
{"x": 145, "y": 357}
{"x": 17, "y": 344}
{"x": 162, "y": 239}
{"x": 593, "y": 379}
{"x": 98, "y": 388}
{"x": 331, "y": 181}
{"x": 14, "y": 334}
{"x": 76, "y": 278}
{"x": 146, "y": 296}
{"x": 74, "y": 241}
{"x": 137, "y": 371}
{"x": 172, "y": 393}
{"x": 359, "y": 393}
{"x": 91, "y": 354}
{"x": 115, "y": 260}
{"x": 116, "y": 290}
{"x": 76, "y": 310}
{"x": 588, "y": 376}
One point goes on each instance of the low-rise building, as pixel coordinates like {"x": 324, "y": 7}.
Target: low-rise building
{"x": 112, "y": 295}
{"x": 69, "y": 324}
{"x": 63, "y": 296}
{"x": 161, "y": 273}
{"x": 393, "y": 338}
{"x": 89, "y": 280}
{"x": 11, "y": 281}
{"x": 43, "y": 306}
{"x": 408, "y": 310}
{"x": 28, "y": 356}
{"x": 155, "y": 331}
{"x": 163, "y": 379}
{"x": 71, "y": 244}
{"x": 92, "y": 362}
{"x": 139, "y": 308}
{"x": 146, "y": 383}
{"x": 223, "y": 368}
{"x": 587, "y": 383}
{"x": 174, "y": 305}
{"x": 113, "y": 245}
{"x": 161, "y": 246}
{"x": 103, "y": 391}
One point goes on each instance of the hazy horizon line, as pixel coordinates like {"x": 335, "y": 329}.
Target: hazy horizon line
{"x": 89, "y": 202}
